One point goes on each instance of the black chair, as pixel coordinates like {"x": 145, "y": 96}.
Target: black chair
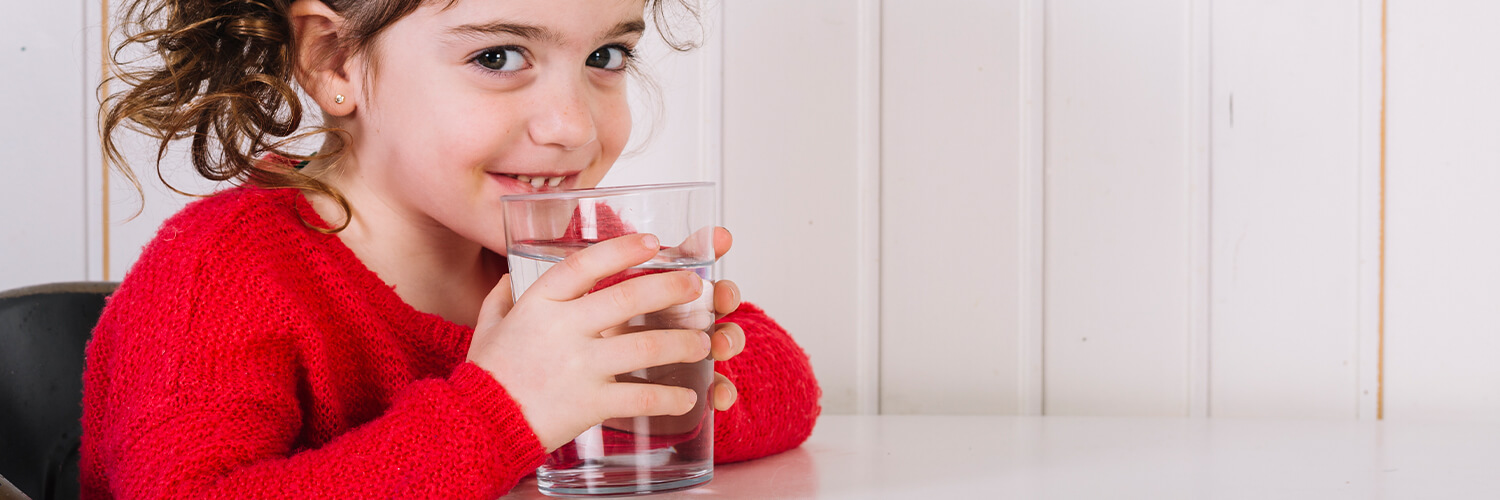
{"x": 43, "y": 330}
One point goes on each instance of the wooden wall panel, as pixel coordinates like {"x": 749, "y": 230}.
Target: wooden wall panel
{"x": 790, "y": 164}
{"x": 951, "y": 205}
{"x": 42, "y": 157}
{"x": 1118, "y": 208}
{"x": 1443, "y": 214}
{"x": 1286, "y": 208}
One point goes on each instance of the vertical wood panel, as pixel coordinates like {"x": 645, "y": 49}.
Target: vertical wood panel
{"x": 1200, "y": 203}
{"x": 1033, "y": 81}
{"x": 790, "y": 160}
{"x": 1443, "y": 161}
{"x": 952, "y": 265}
{"x": 1286, "y": 218}
{"x": 1371, "y": 203}
{"x": 1118, "y": 207}
{"x": 867, "y": 365}
{"x": 42, "y": 157}
{"x": 93, "y": 68}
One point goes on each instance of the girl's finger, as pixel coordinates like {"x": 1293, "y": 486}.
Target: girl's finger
{"x": 623, "y": 329}
{"x": 658, "y": 295}
{"x": 623, "y": 400}
{"x": 642, "y": 350}
{"x": 728, "y": 341}
{"x": 722, "y": 241}
{"x": 726, "y": 298}
{"x": 499, "y": 301}
{"x": 578, "y": 273}
{"x": 724, "y": 393}
{"x": 696, "y": 246}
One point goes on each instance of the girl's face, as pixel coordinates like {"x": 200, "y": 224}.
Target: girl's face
{"x": 484, "y": 98}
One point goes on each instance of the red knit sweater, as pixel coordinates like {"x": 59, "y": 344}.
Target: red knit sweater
{"x": 247, "y": 356}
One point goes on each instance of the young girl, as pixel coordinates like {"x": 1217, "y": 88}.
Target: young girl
{"x": 342, "y": 327}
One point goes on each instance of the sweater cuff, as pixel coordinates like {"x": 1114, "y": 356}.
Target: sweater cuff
{"x": 521, "y": 448}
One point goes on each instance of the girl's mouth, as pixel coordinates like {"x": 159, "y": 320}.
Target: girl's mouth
{"x": 536, "y": 182}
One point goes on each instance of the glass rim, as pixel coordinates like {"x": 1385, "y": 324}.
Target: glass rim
{"x": 574, "y": 194}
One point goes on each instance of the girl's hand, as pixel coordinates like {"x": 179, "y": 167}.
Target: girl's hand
{"x": 546, "y": 349}
{"x": 728, "y": 338}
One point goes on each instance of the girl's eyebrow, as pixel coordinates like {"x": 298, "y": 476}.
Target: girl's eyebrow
{"x": 537, "y": 33}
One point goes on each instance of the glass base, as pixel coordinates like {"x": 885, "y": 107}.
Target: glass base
{"x": 618, "y": 483}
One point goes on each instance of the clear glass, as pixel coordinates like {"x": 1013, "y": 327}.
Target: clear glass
{"x": 640, "y": 455}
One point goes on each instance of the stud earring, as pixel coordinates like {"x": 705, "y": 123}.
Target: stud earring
{"x": 338, "y": 98}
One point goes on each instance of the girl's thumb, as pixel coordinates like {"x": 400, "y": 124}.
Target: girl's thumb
{"x": 499, "y": 301}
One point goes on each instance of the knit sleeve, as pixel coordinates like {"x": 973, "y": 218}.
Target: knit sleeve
{"x": 168, "y": 430}
{"x": 778, "y": 395}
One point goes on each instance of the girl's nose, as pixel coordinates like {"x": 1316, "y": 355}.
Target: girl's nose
{"x": 564, "y": 118}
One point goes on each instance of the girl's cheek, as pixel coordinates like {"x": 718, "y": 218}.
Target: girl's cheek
{"x": 615, "y": 126}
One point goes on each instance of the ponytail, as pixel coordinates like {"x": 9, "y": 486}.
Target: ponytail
{"x": 225, "y": 81}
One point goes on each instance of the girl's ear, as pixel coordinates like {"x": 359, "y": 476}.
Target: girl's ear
{"x": 325, "y": 67}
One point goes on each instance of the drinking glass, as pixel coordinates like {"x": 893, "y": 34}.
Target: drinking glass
{"x": 627, "y": 456}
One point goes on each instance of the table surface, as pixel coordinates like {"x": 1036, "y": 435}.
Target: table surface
{"x": 860, "y": 457}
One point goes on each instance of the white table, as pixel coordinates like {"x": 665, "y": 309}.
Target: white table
{"x": 902, "y": 457}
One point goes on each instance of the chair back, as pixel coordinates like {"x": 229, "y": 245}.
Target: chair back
{"x": 43, "y": 331}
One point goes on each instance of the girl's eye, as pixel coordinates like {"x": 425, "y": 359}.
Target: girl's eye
{"x": 612, "y": 57}
{"x": 502, "y": 59}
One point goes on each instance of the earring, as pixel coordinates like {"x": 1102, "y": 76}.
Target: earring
{"x": 338, "y": 98}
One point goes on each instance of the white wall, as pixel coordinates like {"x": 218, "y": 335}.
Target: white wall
{"x": 1289, "y": 91}
{"x": 1443, "y": 274}
{"x": 1118, "y": 211}
{"x": 1154, "y": 207}
{"x": 790, "y": 146}
{"x": 43, "y": 234}
{"x": 954, "y": 226}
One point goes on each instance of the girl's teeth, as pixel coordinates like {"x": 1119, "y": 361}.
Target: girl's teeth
{"x": 539, "y": 181}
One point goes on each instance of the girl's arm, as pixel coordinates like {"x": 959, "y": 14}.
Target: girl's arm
{"x": 778, "y": 395}
{"x": 459, "y": 437}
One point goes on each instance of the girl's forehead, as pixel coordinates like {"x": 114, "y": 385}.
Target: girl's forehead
{"x": 566, "y": 19}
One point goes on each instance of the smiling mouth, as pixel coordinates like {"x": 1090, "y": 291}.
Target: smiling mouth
{"x": 537, "y": 181}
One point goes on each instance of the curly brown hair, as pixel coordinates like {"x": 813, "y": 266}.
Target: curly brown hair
{"x": 226, "y": 80}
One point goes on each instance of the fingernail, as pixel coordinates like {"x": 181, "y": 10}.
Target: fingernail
{"x": 727, "y": 341}
{"x": 726, "y": 395}
{"x": 651, "y": 242}
{"x": 708, "y": 343}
